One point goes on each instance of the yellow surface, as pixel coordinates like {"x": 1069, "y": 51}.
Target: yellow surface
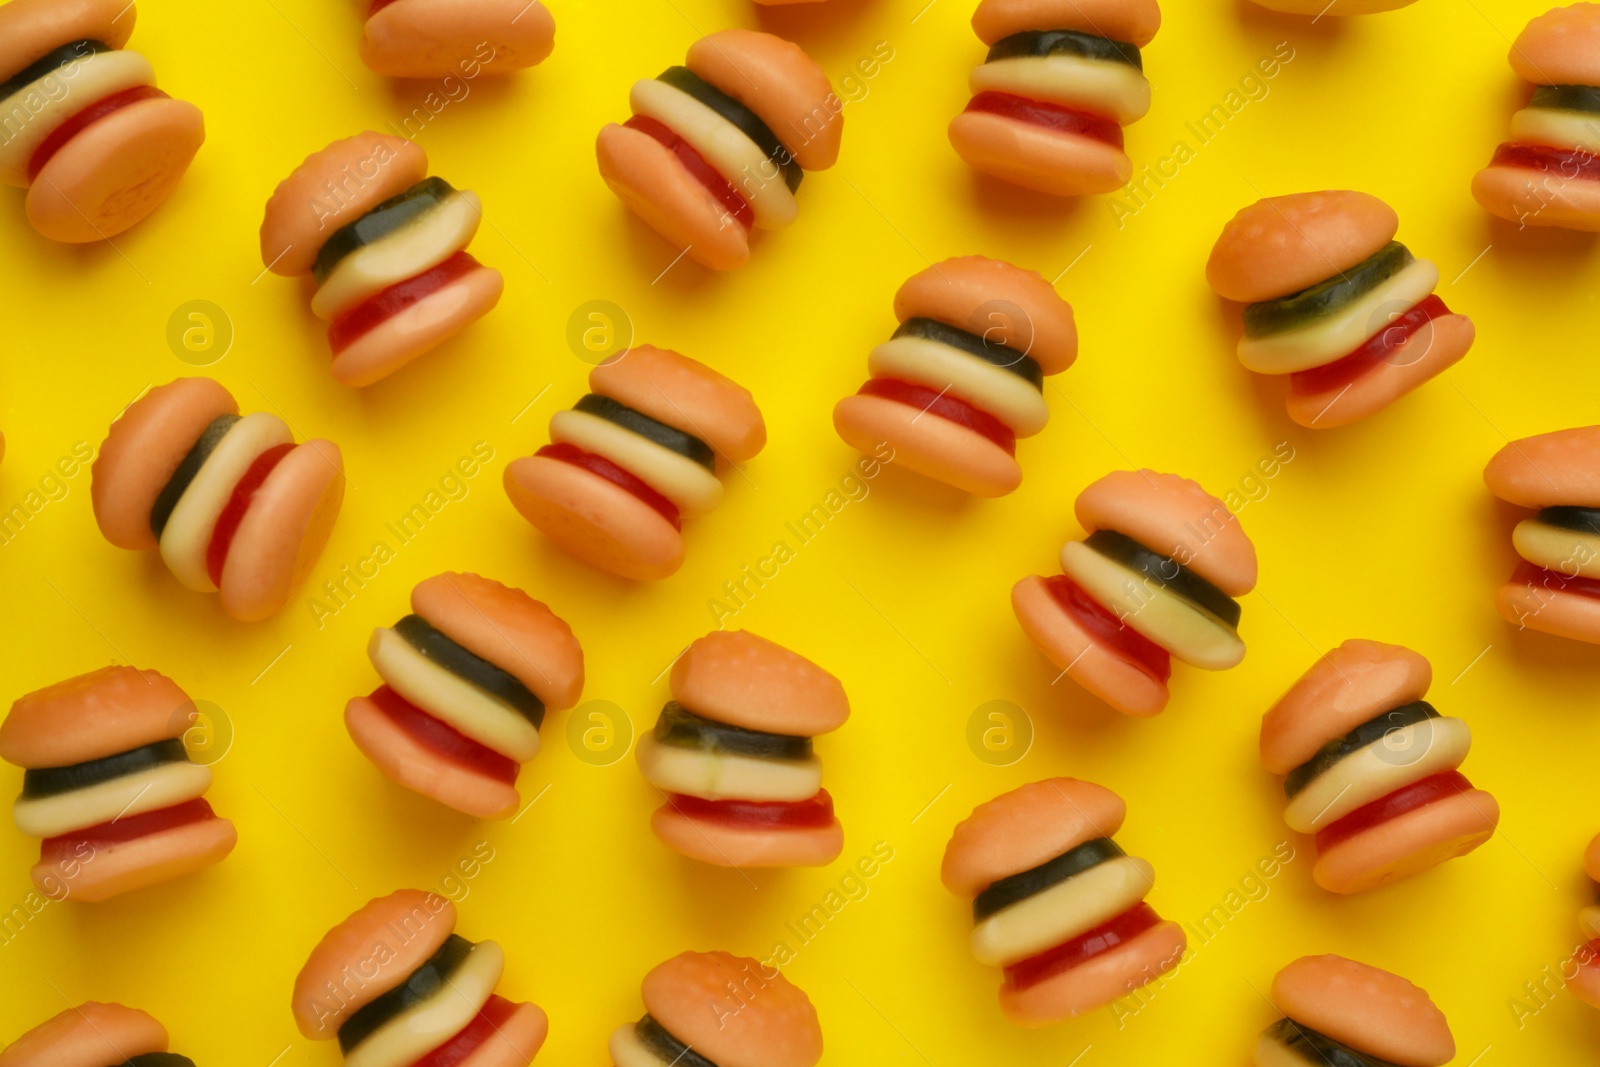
{"x": 1381, "y": 530}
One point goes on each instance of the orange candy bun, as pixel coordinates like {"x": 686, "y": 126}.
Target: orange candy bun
{"x": 1175, "y": 517}
{"x": 722, "y": 845}
{"x": 405, "y": 761}
{"x": 418, "y": 329}
{"x": 1560, "y": 47}
{"x": 1353, "y": 684}
{"x": 89, "y": 1035}
{"x": 772, "y": 1023}
{"x": 514, "y": 1042}
{"x": 600, "y": 523}
{"x": 1284, "y": 244}
{"x": 95, "y": 715}
{"x": 1550, "y": 610}
{"x": 384, "y": 941}
{"x": 998, "y": 301}
{"x": 1047, "y": 161}
{"x": 32, "y": 29}
{"x": 1423, "y": 355}
{"x": 1591, "y": 859}
{"x": 1055, "y": 633}
{"x": 686, "y": 394}
{"x": 781, "y": 84}
{"x": 1585, "y": 985}
{"x": 1532, "y": 197}
{"x": 1548, "y": 470}
{"x": 1094, "y": 984}
{"x": 735, "y": 677}
{"x": 283, "y": 532}
{"x": 648, "y": 178}
{"x": 440, "y": 38}
{"x": 1371, "y": 1010}
{"x": 1132, "y": 21}
{"x": 1019, "y": 830}
{"x": 927, "y": 444}
{"x": 124, "y": 866}
{"x": 1408, "y": 844}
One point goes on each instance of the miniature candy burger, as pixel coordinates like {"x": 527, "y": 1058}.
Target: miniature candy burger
{"x": 713, "y": 1009}
{"x": 399, "y": 988}
{"x": 976, "y": 338}
{"x": 1585, "y": 985}
{"x": 1548, "y": 173}
{"x": 633, "y": 457}
{"x": 1350, "y": 1014}
{"x": 108, "y": 784}
{"x": 1371, "y": 768}
{"x": 386, "y": 245}
{"x": 1155, "y": 578}
{"x": 233, "y": 504}
{"x": 86, "y": 131}
{"x": 1056, "y": 902}
{"x": 732, "y": 755}
{"x": 1556, "y": 588}
{"x": 455, "y": 38}
{"x": 718, "y": 146}
{"x": 94, "y": 1035}
{"x": 467, "y": 678}
{"x": 1336, "y": 303}
{"x": 1061, "y": 80}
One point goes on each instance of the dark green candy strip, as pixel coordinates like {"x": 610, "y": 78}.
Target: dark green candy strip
{"x": 196, "y": 457}
{"x": 993, "y": 353}
{"x": 159, "y": 1059}
{"x": 669, "y": 437}
{"x": 380, "y": 222}
{"x": 53, "y": 781}
{"x": 1326, "y": 298}
{"x": 1074, "y": 861}
{"x": 1582, "y": 520}
{"x": 1318, "y": 1048}
{"x": 1065, "y": 42}
{"x": 53, "y": 60}
{"x": 744, "y": 120}
{"x": 1167, "y": 573}
{"x": 655, "y": 1037}
{"x": 682, "y": 728}
{"x": 474, "y": 670}
{"x": 423, "y": 983}
{"x": 1368, "y": 732}
{"x": 1567, "y": 97}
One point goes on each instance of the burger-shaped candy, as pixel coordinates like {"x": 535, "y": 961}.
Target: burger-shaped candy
{"x": 1348, "y": 1014}
{"x": 455, "y": 38}
{"x": 467, "y": 678}
{"x": 94, "y": 1035}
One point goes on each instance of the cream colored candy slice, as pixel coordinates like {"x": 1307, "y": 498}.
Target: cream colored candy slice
{"x": 1336, "y": 336}
{"x": 420, "y": 245}
{"x": 628, "y": 1051}
{"x": 964, "y": 376}
{"x": 1193, "y": 635}
{"x": 451, "y": 699}
{"x": 1062, "y": 912}
{"x": 37, "y": 110}
{"x": 187, "y": 535}
{"x": 1556, "y": 548}
{"x": 1407, "y": 755}
{"x": 681, "y": 480}
{"x": 1557, "y": 128}
{"x": 716, "y": 776}
{"x": 132, "y": 794}
{"x": 1098, "y": 86}
{"x": 1589, "y": 920}
{"x": 736, "y": 157}
{"x": 414, "y": 1033}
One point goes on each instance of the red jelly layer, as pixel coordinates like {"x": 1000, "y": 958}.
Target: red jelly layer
{"x": 946, "y": 407}
{"x": 375, "y": 310}
{"x": 1379, "y": 348}
{"x": 1108, "y": 631}
{"x": 696, "y": 165}
{"x": 1565, "y": 162}
{"x": 442, "y": 739}
{"x": 1594, "y": 954}
{"x": 1050, "y": 116}
{"x": 1528, "y": 574}
{"x": 484, "y": 1025}
{"x": 119, "y": 831}
{"x": 1080, "y": 950}
{"x": 86, "y": 118}
{"x": 1405, "y": 799}
{"x": 759, "y": 814}
{"x": 614, "y": 474}
{"x": 233, "y": 513}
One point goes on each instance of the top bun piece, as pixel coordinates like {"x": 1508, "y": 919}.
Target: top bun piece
{"x": 1322, "y": 8}
{"x": 720, "y": 145}
{"x": 87, "y": 133}
{"x": 1338, "y": 1010}
{"x": 463, "y": 39}
{"x": 756, "y": 1016}
{"x": 977, "y": 337}
{"x": 387, "y": 247}
{"x": 1335, "y": 303}
{"x": 93, "y": 1035}
{"x": 1548, "y": 173}
{"x": 1061, "y": 80}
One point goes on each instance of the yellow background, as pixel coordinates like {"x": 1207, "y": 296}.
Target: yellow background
{"x": 1380, "y": 530}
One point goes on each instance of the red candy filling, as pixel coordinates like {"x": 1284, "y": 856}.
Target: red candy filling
{"x": 614, "y": 474}
{"x": 696, "y": 165}
{"x": 1050, "y": 116}
{"x": 1538, "y": 577}
{"x": 1407, "y": 798}
{"x": 120, "y": 831}
{"x": 233, "y": 512}
{"x": 946, "y": 407}
{"x": 1108, "y": 631}
{"x": 759, "y": 814}
{"x": 85, "y": 118}
{"x": 484, "y": 1025}
{"x": 1378, "y": 348}
{"x": 1027, "y": 973}
{"x": 350, "y": 327}
{"x": 442, "y": 739}
{"x": 1565, "y": 162}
